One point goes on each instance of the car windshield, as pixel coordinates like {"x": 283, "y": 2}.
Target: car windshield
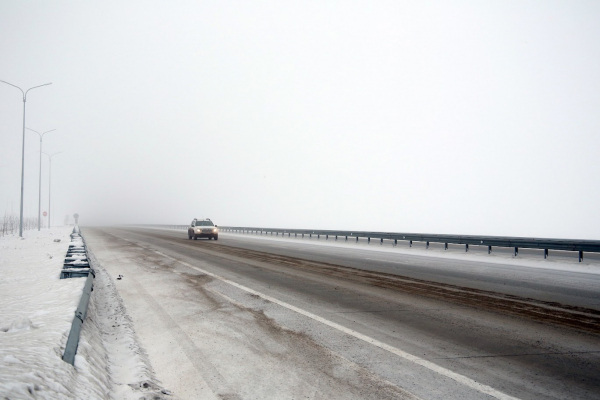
{"x": 204, "y": 223}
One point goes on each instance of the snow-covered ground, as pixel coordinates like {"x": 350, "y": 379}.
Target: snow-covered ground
{"x": 36, "y": 312}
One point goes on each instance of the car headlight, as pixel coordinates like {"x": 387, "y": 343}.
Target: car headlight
{"x": 214, "y": 230}
{"x": 198, "y": 230}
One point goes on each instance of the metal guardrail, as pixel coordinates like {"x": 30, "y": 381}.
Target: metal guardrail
{"x": 580, "y": 246}
{"x": 77, "y": 265}
{"x": 80, "y": 314}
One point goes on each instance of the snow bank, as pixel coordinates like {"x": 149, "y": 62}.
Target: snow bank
{"x": 36, "y": 311}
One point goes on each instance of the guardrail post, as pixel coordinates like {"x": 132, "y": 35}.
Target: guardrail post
{"x": 346, "y": 239}
{"x": 410, "y": 243}
{"x": 580, "y": 256}
{"x": 381, "y": 242}
{"x": 395, "y": 242}
{"x": 303, "y": 236}
{"x": 326, "y": 237}
{"x": 426, "y": 245}
{"x": 489, "y": 249}
{"x": 545, "y": 253}
{"x": 310, "y": 235}
{"x": 466, "y": 247}
{"x": 516, "y": 251}
{"x": 357, "y": 239}
{"x": 445, "y": 246}
{"x": 368, "y": 240}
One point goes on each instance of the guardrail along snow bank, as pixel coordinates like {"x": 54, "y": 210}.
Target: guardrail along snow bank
{"x": 580, "y": 246}
{"x": 77, "y": 265}
{"x": 76, "y": 262}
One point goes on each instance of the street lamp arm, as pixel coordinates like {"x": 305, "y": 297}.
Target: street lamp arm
{"x": 41, "y": 134}
{"x": 45, "y": 84}
{"x": 51, "y": 130}
{"x": 25, "y": 92}
{"x": 35, "y": 132}
{"x": 14, "y": 86}
{"x": 53, "y": 154}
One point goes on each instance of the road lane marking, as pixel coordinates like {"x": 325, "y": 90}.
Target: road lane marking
{"x": 464, "y": 380}
{"x": 377, "y": 259}
{"x": 355, "y": 365}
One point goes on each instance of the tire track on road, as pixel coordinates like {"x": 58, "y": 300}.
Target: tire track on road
{"x": 585, "y": 319}
{"x": 208, "y": 372}
{"x": 462, "y": 379}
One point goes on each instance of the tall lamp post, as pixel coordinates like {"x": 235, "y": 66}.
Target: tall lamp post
{"x": 23, "y": 151}
{"x": 50, "y": 182}
{"x": 40, "y": 185}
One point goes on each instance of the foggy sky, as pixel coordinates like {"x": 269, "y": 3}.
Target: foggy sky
{"x": 442, "y": 117}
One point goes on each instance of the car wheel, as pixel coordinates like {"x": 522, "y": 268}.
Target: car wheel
{"x": 216, "y": 237}
{"x": 189, "y": 236}
{"x": 195, "y": 237}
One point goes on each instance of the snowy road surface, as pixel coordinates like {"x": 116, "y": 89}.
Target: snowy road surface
{"x": 259, "y": 318}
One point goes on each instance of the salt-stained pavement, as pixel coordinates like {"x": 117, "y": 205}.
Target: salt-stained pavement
{"x": 216, "y": 324}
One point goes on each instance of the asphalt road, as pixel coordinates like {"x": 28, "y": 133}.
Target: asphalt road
{"x": 357, "y": 322}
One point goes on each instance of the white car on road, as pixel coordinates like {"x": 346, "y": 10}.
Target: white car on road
{"x": 203, "y": 228}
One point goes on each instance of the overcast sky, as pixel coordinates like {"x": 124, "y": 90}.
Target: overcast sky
{"x": 473, "y": 117}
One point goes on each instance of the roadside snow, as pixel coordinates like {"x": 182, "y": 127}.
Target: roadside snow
{"x": 36, "y": 311}
{"x": 131, "y": 374}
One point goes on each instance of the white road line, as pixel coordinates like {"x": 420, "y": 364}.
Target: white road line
{"x": 417, "y": 360}
{"x": 377, "y": 259}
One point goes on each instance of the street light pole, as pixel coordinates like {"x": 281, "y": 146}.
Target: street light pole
{"x": 23, "y": 150}
{"x": 40, "y": 185}
{"x": 50, "y": 181}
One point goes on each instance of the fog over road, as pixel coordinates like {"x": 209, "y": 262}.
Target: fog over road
{"x": 250, "y": 317}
